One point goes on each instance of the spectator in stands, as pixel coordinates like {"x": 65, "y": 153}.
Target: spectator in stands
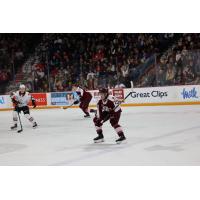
{"x": 188, "y": 75}
{"x": 197, "y": 65}
{"x": 125, "y": 70}
{"x": 4, "y": 76}
{"x": 160, "y": 76}
{"x": 39, "y": 73}
{"x": 91, "y": 80}
{"x": 170, "y": 75}
{"x": 120, "y": 85}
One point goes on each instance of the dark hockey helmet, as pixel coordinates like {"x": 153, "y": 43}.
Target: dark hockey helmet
{"x": 103, "y": 92}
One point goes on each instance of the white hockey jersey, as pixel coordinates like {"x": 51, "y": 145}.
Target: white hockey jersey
{"x": 80, "y": 91}
{"x": 23, "y": 99}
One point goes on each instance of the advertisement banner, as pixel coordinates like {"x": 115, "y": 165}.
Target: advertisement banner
{"x": 63, "y": 98}
{"x": 189, "y": 93}
{"x": 2, "y": 102}
{"x": 5, "y": 101}
{"x": 145, "y": 95}
{"x": 95, "y": 96}
{"x": 40, "y": 98}
{"x": 174, "y": 95}
{"x": 119, "y": 94}
{"x": 164, "y": 94}
{"x": 154, "y": 94}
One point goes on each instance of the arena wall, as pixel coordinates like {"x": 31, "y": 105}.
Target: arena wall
{"x": 153, "y": 96}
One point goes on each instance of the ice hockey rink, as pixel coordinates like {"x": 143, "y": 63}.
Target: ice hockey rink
{"x": 160, "y": 135}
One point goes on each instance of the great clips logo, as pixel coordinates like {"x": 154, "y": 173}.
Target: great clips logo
{"x": 190, "y": 94}
{"x": 155, "y": 94}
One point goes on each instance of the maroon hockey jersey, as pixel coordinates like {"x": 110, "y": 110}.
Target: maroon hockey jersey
{"x": 83, "y": 94}
{"x": 109, "y": 106}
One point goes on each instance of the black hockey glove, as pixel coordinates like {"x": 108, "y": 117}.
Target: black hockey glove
{"x": 17, "y": 109}
{"x": 76, "y": 102}
{"x": 93, "y": 111}
{"x": 34, "y": 103}
{"x": 15, "y": 101}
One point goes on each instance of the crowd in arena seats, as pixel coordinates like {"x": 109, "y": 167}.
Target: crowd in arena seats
{"x": 14, "y": 48}
{"x": 93, "y": 60}
{"x": 108, "y": 60}
{"x": 179, "y": 65}
{"x": 9, "y": 51}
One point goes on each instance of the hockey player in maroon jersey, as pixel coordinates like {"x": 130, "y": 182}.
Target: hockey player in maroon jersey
{"x": 108, "y": 109}
{"x": 85, "y": 98}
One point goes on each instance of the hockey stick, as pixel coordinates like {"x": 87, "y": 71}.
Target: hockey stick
{"x": 125, "y": 96}
{"x": 19, "y": 131}
{"x": 68, "y": 106}
{"x": 95, "y": 111}
{"x": 108, "y": 116}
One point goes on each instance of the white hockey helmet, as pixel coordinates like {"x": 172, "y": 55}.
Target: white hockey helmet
{"x": 22, "y": 86}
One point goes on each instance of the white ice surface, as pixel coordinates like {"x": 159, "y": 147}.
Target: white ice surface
{"x": 166, "y": 135}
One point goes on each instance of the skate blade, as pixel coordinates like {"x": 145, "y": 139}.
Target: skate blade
{"x": 13, "y": 129}
{"x": 35, "y": 127}
{"x": 121, "y": 142}
{"x": 99, "y": 141}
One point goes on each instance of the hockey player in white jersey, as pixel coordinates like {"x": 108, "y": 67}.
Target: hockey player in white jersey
{"x": 21, "y": 100}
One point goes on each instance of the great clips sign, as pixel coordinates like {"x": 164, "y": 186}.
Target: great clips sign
{"x": 148, "y": 95}
{"x": 151, "y": 94}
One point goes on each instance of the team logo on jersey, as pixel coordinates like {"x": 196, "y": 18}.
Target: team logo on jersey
{"x": 105, "y": 109}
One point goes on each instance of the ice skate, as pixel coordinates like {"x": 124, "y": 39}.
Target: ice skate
{"x": 99, "y": 139}
{"x": 87, "y": 115}
{"x": 14, "y": 127}
{"x": 120, "y": 139}
{"x": 35, "y": 125}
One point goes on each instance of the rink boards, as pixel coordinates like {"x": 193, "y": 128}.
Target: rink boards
{"x": 153, "y": 96}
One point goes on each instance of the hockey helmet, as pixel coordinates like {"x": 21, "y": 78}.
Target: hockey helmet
{"x": 103, "y": 92}
{"x": 22, "y": 88}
